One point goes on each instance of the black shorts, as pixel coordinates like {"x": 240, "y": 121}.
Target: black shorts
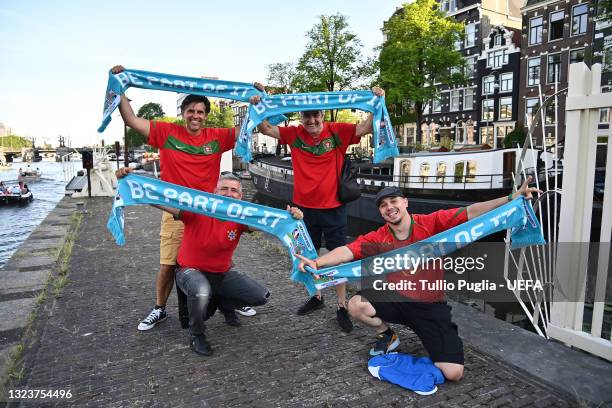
{"x": 430, "y": 321}
{"x": 330, "y": 223}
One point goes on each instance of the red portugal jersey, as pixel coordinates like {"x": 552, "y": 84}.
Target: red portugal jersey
{"x": 317, "y": 166}
{"x": 421, "y": 227}
{"x": 208, "y": 243}
{"x": 187, "y": 160}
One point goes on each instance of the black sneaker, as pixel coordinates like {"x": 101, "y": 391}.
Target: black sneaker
{"x": 344, "y": 320}
{"x": 200, "y": 345}
{"x": 156, "y": 316}
{"x": 314, "y": 303}
{"x": 231, "y": 318}
{"x": 385, "y": 343}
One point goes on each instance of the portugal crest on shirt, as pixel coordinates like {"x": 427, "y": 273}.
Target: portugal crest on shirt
{"x": 327, "y": 145}
{"x": 232, "y": 234}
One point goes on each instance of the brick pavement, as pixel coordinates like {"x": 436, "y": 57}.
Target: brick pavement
{"x": 89, "y": 342}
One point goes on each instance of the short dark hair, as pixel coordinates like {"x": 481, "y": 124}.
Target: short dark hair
{"x": 189, "y": 99}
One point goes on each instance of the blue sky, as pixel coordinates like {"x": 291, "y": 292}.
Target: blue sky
{"x": 54, "y": 56}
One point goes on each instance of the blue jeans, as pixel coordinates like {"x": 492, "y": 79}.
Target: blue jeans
{"x": 236, "y": 289}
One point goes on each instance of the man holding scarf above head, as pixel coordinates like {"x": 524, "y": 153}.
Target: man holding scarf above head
{"x": 317, "y": 153}
{"x": 190, "y": 156}
{"x": 424, "y": 311}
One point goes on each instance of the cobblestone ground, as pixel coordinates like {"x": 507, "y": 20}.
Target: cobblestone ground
{"x": 89, "y": 342}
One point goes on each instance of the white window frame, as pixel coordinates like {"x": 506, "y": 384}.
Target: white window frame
{"x": 455, "y": 96}
{"x": 470, "y": 33}
{"x": 485, "y": 103}
{"x": 607, "y": 114}
{"x": 541, "y": 30}
{"x": 472, "y": 92}
{"x": 485, "y": 87}
{"x": 547, "y": 67}
{"x": 550, "y": 21}
{"x": 503, "y": 81}
{"x": 537, "y": 79}
{"x": 499, "y": 115}
{"x": 585, "y": 16}
{"x": 527, "y": 115}
{"x": 436, "y": 105}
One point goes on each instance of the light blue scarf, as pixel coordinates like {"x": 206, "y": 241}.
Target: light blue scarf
{"x": 272, "y": 106}
{"x": 134, "y": 189}
{"x": 119, "y": 83}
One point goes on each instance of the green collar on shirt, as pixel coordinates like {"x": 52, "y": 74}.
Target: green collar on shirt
{"x": 409, "y": 230}
{"x": 326, "y": 145}
{"x": 206, "y": 149}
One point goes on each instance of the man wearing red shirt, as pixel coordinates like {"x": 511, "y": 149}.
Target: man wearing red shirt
{"x": 317, "y": 154}
{"x": 205, "y": 264}
{"x": 426, "y": 313}
{"x": 190, "y": 156}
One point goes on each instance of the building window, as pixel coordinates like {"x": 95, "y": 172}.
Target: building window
{"x": 576, "y": 55}
{"x": 487, "y": 135}
{"x": 505, "y": 82}
{"x": 554, "y": 68}
{"x": 497, "y": 40}
{"x": 550, "y": 116}
{"x": 452, "y": 5}
{"x": 555, "y": 25}
{"x": 531, "y": 105}
{"x": 426, "y": 108}
{"x": 535, "y": 30}
{"x": 496, "y": 59}
{"x": 487, "y": 109}
{"x": 444, "y": 5}
{"x": 488, "y": 85}
{"x": 579, "y": 19}
{"x": 468, "y": 99}
{"x": 470, "y": 66}
{"x": 470, "y": 35}
{"x": 455, "y": 100}
{"x": 502, "y": 131}
{"x": 533, "y": 71}
{"x": 604, "y": 116}
{"x": 505, "y": 108}
{"x": 437, "y": 106}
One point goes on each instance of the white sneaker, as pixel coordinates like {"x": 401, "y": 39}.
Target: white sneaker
{"x": 247, "y": 311}
{"x": 156, "y": 316}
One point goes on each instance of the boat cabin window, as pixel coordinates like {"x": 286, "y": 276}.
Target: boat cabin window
{"x": 424, "y": 172}
{"x": 440, "y": 172}
{"x": 467, "y": 168}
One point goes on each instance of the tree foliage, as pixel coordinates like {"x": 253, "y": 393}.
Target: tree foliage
{"x": 332, "y": 60}
{"x": 281, "y": 76}
{"x": 516, "y": 138}
{"x": 14, "y": 141}
{"x": 419, "y": 50}
{"x": 150, "y": 111}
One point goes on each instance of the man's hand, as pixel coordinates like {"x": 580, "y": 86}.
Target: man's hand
{"x": 295, "y": 212}
{"x": 306, "y": 262}
{"x": 123, "y": 171}
{"x": 259, "y": 86}
{"x": 255, "y": 99}
{"x": 525, "y": 190}
{"x": 117, "y": 69}
{"x": 378, "y": 91}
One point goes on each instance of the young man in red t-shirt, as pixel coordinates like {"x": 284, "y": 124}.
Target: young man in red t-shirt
{"x": 190, "y": 156}
{"x": 206, "y": 268}
{"x": 317, "y": 154}
{"x": 426, "y": 312}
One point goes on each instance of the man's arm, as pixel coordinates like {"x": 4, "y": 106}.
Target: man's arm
{"x": 478, "y": 209}
{"x": 338, "y": 256}
{"x": 127, "y": 113}
{"x": 365, "y": 126}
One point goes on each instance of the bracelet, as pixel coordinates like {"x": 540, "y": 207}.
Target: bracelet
{"x": 510, "y": 197}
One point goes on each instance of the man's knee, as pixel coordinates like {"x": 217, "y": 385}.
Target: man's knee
{"x": 451, "y": 371}
{"x": 358, "y": 306}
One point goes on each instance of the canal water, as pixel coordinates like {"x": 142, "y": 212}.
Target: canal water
{"x": 18, "y": 222}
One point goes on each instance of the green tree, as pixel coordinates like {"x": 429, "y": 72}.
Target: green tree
{"x": 332, "y": 60}
{"x": 150, "y": 111}
{"x": 14, "y": 141}
{"x": 281, "y": 76}
{"x": 219, "y": 117}
{"x": 419, "y": 50}
{"x": 516, "y": 138}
